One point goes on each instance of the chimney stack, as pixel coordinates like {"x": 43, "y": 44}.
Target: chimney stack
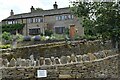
{"x": 32, "y": 9}
{"x": 11, "y": 13}
{"x": 55, "y": 6}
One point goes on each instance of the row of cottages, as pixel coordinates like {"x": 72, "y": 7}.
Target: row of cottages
{"x": 36, "y": 21}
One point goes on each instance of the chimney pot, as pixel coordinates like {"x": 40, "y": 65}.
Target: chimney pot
{"x": 11, "y": 13}
{"x": 32, "y": 8}
{"x": 55, "y": 6}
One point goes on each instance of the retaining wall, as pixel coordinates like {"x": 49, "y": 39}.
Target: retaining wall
{"x": 56, "y": 49}
{"x": 106, "y": 67}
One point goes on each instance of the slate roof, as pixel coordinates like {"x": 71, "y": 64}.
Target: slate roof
{"x": 39, "y": 13}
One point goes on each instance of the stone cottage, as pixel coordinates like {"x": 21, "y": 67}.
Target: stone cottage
{"x": 38, "y": 20}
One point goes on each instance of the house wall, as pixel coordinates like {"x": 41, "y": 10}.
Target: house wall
{"x": 50, "y": 22}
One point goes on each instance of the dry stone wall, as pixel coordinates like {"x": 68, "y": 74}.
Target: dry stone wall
{"x": 102, "y": 64}
{"x": 77, "y": 59}
{"x": 56, "y": 49}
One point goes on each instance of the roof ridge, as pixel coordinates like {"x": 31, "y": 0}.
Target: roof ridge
{"x": 39, "y": 13}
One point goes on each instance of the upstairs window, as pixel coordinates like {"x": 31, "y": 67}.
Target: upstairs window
{"x": 35, "y": 20}
{"x": 60, "y": 18}
{"x": 30, "y": 20}
{"x": 15, "y": 22}
{"x": 57, "y": 18}
{"x": 72, "y": 16}
{"x": 40, "y": 19}
{"x": 64, "y": 17}
{"x": 9, "y": 22}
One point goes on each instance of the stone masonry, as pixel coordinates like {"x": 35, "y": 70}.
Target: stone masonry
{"x": 86, "y": 66}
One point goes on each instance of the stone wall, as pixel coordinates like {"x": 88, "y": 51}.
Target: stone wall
{"x": 102, "y": 64}
{"x": 28, "y": 43}
{"x": 56, "y": 49}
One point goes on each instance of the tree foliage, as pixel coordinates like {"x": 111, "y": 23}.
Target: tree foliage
{"x": 99, "y": 18}
{"x": 6, "y": 36}
{"x": 12, "y": 27}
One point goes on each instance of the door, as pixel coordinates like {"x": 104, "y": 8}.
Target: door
{"x": 72, "y": 31}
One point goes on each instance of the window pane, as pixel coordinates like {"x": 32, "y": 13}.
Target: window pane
{"x": 31, "y": 20}
{"x": 57, "y": 18}
{"x": 9, "y": 22}
{"x": 62, "y": 17}
{"x": 41, "y": 20}
{"x": 34, "y": 31}
{"x": 69, "y": 16}
{"x": 59, "y": 30}
{"x": 65, "y": 17}
{"x": 72, "y": 16}
{"x": 36, "y": 19}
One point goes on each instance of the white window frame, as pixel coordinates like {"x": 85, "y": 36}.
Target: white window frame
{"x": 59, "y": 27}
{"x": 10, "y": 22}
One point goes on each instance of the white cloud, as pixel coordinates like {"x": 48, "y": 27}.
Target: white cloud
{"x": 23, "y": 6}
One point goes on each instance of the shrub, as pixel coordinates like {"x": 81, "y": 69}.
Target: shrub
{"x": 52, "y": 37}
{"x": 43, "y": 38}
{"x": 89, "y": 37}
{"x": 12, "y": 27}
{"x": 37, "y": 38}
{"x": 5, "y": 46}
{"x": 27, "y": 38}
{"x": 59, "y": 36}
{"x": 6, "y": 36}
{"x": 48, "y": 32}
{"x": 66, "y": 31}
{"x": 19, "y": 37}
{"x": 77, "y": 37}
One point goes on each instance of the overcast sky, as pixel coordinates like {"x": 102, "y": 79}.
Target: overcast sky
{"x": 23, "y": 6}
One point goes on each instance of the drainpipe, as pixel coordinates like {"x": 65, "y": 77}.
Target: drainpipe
{"x": 26, "y": 28}
{"x": 43, "y": 31}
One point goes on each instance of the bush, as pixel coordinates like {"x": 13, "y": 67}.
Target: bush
{"x": 48, "y": 32}
{"x": 37, "y": 38}
{"x": 19, "y": 37}
{"x": 89, "y": 37}
{"x": 6, "y": 36}
{"x": 52, "y": 37}
{"x": 5, "y": 46}
{"x": 77, "y": 37}
{"x": 27, "y": 38}
{"x": 43, "y": 38}
{"x": 59, "y": 36}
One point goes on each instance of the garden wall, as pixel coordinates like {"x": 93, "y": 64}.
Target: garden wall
{"x": 56, "y": 49}
{"x": 103, "y": 64}
{"x": 76, "y": 59}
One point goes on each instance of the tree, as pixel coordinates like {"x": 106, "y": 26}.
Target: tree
{"x": 12, "y": 27}
{"x": 40, "y": 9}
{"x": 101, "y": 18}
